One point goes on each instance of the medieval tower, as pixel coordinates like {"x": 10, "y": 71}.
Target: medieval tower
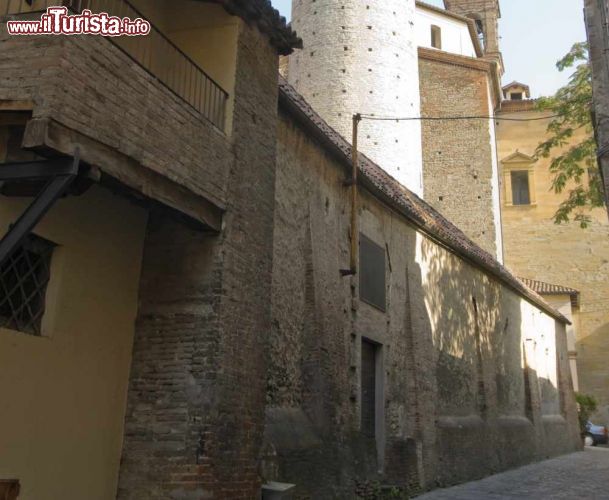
{"x": 361, "y": 57}
{"x": 486, "y": 14}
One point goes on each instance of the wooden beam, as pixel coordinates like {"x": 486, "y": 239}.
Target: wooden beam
{"x": 13, "y": 105}
{"x": 50, "y": 138}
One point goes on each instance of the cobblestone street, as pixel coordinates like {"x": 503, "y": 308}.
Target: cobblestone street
{"x": 577, "y": 476}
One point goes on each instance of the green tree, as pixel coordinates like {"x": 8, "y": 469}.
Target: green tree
{"x": 586, "y": 406}
{"x": 571, "y": 109}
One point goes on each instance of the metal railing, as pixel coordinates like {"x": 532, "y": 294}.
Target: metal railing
{"x": 156, "y": 53}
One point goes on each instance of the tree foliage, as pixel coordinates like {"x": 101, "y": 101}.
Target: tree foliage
{"x": 573, "y": 164}
{"x": 586, "y": 406}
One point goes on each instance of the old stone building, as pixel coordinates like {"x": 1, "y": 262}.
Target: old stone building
{"x": 362, "y": 59}
{"x": 140, "y": 366}
{"x": 456, "y": 351}
{"x": 564, "y": 257}
{"x": 179, "y": 315}
{"x": 459, "y": 77}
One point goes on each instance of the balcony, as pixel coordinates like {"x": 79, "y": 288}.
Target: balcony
{"x": 175, "y": 54}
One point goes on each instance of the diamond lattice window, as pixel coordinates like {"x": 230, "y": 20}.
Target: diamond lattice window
{"x": 23, "y": 284}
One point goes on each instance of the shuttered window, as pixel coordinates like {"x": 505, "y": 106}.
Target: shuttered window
{"x": 372, "y": 273}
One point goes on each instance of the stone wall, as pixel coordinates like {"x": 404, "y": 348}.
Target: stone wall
{"x": 563, "y": 254}
{"x": 460, "y": 397}
{"x": 195, "y": 414}
{"x": 459, "y": 156}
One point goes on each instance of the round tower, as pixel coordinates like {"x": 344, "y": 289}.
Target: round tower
{"x": 361, "y": 57}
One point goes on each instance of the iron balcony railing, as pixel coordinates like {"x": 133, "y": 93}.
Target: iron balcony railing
{"x": 156, "y": 53}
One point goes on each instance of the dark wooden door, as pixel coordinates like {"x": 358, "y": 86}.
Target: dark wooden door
{"x": 9, "y": 489}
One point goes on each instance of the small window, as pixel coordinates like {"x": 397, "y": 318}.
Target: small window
{"x": 516, "y": 96}
{"x": 479, "y": 27}
{"x": 521, "y": 194}
{"x": 436, "y": 37}
{"x": 372, "y": 273}
{"x": 24, "y": 277}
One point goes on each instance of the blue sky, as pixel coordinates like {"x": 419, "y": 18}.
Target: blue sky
{"x": 534, "y": 35}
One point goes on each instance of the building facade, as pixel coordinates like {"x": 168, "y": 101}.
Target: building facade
{"x": 561, "y": 255}
{"x": 361, "y": 59}
{"x": 175, "y": 322}
{"x": 457, "y": 80}
{"x": 444, "y": 338}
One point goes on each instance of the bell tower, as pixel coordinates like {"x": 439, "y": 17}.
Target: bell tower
{"x": 486, "y": 14}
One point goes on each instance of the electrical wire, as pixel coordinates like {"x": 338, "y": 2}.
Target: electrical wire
{"x": 452, "y": 118}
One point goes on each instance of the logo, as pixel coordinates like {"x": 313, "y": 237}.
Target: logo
{"x": 57, "y": 21}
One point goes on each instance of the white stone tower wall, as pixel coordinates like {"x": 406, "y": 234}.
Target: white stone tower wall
{"x": 360, "y": 56}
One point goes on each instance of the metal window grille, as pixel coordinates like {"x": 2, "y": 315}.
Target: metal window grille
{"x": 24, "y": 277}
{"x": 372, "y": 273}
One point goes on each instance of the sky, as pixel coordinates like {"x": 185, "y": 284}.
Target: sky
{"x": 534, "y": 35}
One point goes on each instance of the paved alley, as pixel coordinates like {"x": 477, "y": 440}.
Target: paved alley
{"x": 583, "y": 475}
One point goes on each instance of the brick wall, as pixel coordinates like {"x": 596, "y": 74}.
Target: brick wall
{"x": 455, "y": 403}
{"x": 92, "y": 87}
{"x": 195, "y": 413}
{"x": 459, "y": 160}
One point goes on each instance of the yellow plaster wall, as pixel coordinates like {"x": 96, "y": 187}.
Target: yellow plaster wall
{"x": 565, "y": 254}
{"x": 64, "y": 394}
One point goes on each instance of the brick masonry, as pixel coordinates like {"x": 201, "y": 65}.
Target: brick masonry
{"x": 458, "y": 403}
{"x": 459, "y": 158}
{"x": 90, "y": 86}
{"x": 247, "y": 343}
{"x": 196, "y": 400}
